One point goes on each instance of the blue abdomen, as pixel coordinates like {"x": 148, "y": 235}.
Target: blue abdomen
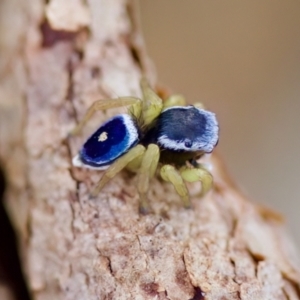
{"x": 110, "y": 141}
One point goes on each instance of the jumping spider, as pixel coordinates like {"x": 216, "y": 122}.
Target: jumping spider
{"x": 155, "y": 133}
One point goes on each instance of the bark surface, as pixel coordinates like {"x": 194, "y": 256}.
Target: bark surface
{"x": 56, "y": 59}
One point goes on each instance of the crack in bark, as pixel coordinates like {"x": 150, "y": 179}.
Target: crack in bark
{"x": 198, "y": 293}
{"x": 51, "y": 36}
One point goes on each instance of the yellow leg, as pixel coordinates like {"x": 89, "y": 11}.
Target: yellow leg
{"x": 135, "y": 164}
{"x": 147, "y": 171}
{"x": 198, "y": 174}
{"x": 169, "y": 173}
{"x": 174, "y": 100}
{"x": 179, "y": 100}
{"x": 117, "y": 166}
{"x": 152, "y": 103}
{"x": 199, "y": 105}
{"x": 102, "y": 105}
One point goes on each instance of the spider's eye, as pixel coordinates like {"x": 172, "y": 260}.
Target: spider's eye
{"x": 188, "y": 143}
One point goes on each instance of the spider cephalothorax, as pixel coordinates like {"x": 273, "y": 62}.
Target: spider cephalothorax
{"x": 155, "y": 133}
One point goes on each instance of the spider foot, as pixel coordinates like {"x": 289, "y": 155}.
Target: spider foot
{"x": 170, "y": 174}
{"x": 198, "y": 174}
{"x": 144, "y": 206}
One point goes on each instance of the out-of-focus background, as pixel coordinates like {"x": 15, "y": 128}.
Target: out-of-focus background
{"x": 242, "y": 59}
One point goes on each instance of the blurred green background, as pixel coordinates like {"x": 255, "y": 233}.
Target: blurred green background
{"x": 242, "y": 59}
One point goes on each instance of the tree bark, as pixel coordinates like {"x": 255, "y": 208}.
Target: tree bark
{"x": 57, "y": 58}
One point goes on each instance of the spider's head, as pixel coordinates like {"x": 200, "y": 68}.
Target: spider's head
{"x": 187, "y": 128}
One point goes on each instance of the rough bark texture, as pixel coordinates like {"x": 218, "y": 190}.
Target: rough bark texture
{"x": 56, "y": 59}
